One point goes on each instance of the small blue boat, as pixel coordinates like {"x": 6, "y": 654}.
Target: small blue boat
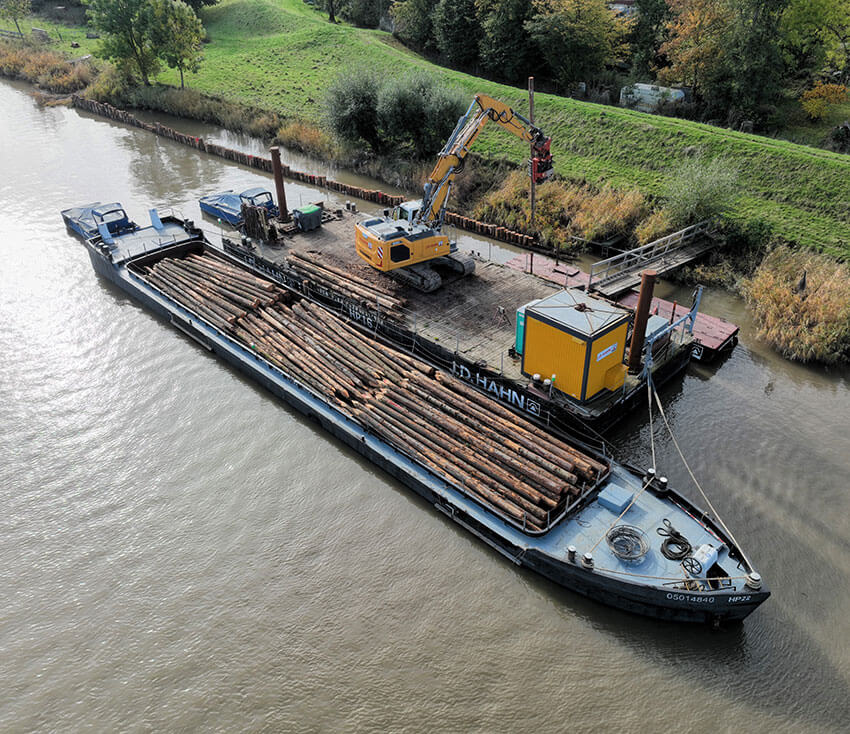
{"x": 87, "y": 220}
{"x": 227, "y": 205}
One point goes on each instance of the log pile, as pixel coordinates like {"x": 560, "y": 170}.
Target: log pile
{"x": 347, "y": 282}
{"x": 462, "y": 436}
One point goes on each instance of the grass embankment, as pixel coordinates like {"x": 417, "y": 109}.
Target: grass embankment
{"x": 281, "y": 55}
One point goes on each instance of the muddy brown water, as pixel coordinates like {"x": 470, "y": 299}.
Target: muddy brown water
{"x": 178, "y": 550}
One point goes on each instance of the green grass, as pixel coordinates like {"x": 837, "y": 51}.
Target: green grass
{"x": 282, "y": 55}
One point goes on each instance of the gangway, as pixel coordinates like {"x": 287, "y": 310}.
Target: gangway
{"x": 616, "y": 275}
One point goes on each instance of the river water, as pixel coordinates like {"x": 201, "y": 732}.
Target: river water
{"x": 179, "y": 550}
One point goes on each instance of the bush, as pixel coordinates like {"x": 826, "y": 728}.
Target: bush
{"x": 840, "y": 137}
{"x": 413, "y": 114}
{"x": 808, "y": 324}
{"x": 816, "y": 101}
{"x": 700, "y": 189}
{"x": 351, "y": 108}
{"x": 417, "y": 113}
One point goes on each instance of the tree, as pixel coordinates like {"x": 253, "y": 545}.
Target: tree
{"x": 728, "y": 51}
{"x": 14, "y": 10}
{"x": 351, "y": 107}
{"x": 757, "y": 68}
{"x": 819, "y": 31}
{"x": 196, "y": 5}
{"x": 696, "y": 47}
{"x": 816, "y": 101}
{"x": 457, "y": 31}
{"x": 416, "y": 112}
{"x": 330, "y": 7}
{"x": 576, "y": 37}
{"x": 648, "y": 33}
{"x": 176, "y": 34}
{"x": 413, "y": 24}
{"x": 124, "y": 26}
{"x": 504, "y": 46}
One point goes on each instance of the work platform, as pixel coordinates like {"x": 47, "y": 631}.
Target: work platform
{"x": 468, "y": 326}
{"x": 619, "y": 274}
{"x": 712, "y": 335}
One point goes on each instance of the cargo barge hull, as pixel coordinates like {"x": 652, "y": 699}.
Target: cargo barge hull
{"x": 545, "y": 553}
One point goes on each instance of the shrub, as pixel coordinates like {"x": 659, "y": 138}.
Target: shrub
{"x": 840, "y": 137}
{"x": 418, "y": 113}
{"x": 816, "y": 101}
{"x": 351, "y": 108}
{"x": 808, "y": 324}
{"x": 413, "y": 114}
{"x": 700, "y": 189}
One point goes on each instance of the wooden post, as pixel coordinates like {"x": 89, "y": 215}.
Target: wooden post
{"x": 647, "y": 285}
{"x": 278, "y": 183}
{"x": 532, "y": 190}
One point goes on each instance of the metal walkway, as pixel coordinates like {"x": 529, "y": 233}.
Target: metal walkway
{"x": 621, "y": 273}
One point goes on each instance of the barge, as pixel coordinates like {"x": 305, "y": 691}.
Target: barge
{"x": 542, "y": 499}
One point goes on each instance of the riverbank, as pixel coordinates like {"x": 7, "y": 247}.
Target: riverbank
{"x": 748, "y": 238}
{"x": 282, "y": 56}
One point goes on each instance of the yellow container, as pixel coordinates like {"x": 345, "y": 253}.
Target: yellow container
{"x": 578, "y": 338}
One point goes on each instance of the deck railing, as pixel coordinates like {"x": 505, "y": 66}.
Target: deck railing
{"x": 631, "y": 261}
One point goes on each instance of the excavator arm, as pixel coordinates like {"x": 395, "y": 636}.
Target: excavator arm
{"x": 453, "y": 154}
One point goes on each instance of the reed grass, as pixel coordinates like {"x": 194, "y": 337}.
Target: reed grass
{"x": 50, "y": 70}
{"x": 810, "y": 324}
{"x": 564, "y": 210}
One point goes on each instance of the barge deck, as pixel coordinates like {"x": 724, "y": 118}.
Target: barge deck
{"x": 469, "y": 325}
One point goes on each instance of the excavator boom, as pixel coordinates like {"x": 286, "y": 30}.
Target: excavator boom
{"x": 411, "y": 243}
{"x": 454, "y": 152}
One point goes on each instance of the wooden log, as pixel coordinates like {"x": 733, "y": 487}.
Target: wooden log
{"x": 218, "y": 288}
{"x": 249, "y": 285}
{"x": 367, "y": 347}
{"x": 432, "y": 462}
{"x": 534, "y": 468}
{"x": 203, "y": 294}
{"x": 464, "y": 437}
{"x": 299, "y": 363}
{"x": 510, "y": 432}
{"x": 521, "y": 494}
{"x": 189, "y": 303}
{"x": 316, "y": 262}
{"x": 315, "y": 350}
{"x": 216, "y": 263}
{"x": 554, "y": 445}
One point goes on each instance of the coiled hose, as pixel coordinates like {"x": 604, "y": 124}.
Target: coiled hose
{"x": 675, "y": 545}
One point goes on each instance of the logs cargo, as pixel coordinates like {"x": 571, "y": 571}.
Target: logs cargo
{"x": 463, "y": 437}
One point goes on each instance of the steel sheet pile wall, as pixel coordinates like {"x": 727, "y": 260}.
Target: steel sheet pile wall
{"x": 264, "y": 164}
{"x": 462, "y": 436}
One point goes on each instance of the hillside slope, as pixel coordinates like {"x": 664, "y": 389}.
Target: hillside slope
{"x": 282, "y": 54}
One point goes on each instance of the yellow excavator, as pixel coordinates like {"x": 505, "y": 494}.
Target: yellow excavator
{"x": 409, "y": 242}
